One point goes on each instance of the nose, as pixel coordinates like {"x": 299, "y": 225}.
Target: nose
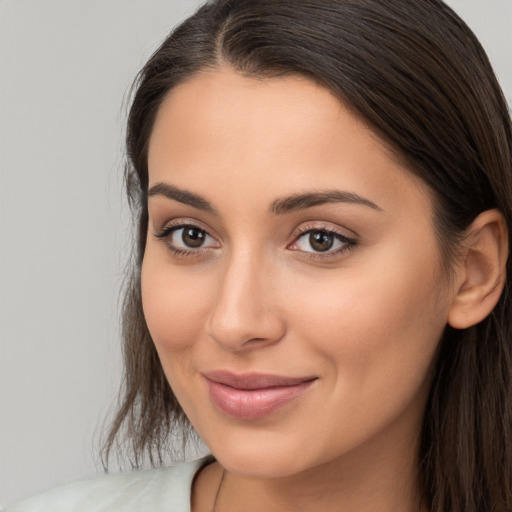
{"x": 246, "y": 313}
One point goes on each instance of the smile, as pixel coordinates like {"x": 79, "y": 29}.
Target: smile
{"x": 253, "y": 396}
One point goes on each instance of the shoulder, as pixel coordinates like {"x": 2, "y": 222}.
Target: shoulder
{"x": 162, "y": 489}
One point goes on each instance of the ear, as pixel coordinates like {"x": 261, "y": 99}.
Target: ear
{"x": 481, "y": 276}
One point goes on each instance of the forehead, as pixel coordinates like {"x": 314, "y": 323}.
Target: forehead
{"x": 279, "y": 134}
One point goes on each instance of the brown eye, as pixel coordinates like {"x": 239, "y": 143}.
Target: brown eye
{"x": 321, "y": 241}
{"x": 187, "y": 238}
{"x": 193, "y": 237}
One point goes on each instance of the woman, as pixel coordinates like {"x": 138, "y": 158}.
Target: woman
{"x": 323, "y": 198}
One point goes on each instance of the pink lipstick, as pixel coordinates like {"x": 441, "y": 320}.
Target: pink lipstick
{"x": 251, "y": 396}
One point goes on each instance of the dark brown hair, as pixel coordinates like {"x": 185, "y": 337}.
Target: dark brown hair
{"x": 418, "y": 76}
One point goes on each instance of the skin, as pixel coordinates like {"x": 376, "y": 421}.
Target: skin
{"x": 256, "y": 297}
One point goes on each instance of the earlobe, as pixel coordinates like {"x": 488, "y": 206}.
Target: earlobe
{"x": 482, "y": 272}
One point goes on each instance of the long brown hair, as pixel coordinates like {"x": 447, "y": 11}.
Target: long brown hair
{"x": 418, "y": 76}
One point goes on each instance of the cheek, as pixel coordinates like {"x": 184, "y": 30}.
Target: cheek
{"x": 175, "y": 305}
{"x": 384, "y": 321}
{"x": 374, "y": 336}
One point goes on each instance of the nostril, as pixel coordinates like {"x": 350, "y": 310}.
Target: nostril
{"x": 244, "y": 316}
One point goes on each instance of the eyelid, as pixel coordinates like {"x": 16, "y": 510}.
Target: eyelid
{"x": 307, "y": 227}
{"x": 184, "y": 221}
{"x": 350, "y": 242}
{"x": 170, "y": 227}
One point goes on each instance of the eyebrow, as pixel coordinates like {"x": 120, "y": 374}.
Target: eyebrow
{"x": 280, "y": 206}
{"x": 308, "y": 200}
{"x": 182, "y": 196}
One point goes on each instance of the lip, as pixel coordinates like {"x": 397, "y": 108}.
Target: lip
{"x": 253, "y": 395}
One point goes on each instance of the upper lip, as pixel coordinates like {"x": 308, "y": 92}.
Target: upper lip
{"x": 253, "y": 380}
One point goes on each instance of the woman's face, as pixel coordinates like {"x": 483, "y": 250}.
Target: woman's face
{"x": 291, "y": 280}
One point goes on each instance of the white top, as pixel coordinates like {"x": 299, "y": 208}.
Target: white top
{"x": 165, "y": 489}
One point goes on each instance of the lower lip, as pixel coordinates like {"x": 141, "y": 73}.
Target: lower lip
{"x": 253, "y": 403}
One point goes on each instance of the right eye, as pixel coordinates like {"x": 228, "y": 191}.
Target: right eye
{"x": 186, "y": 238}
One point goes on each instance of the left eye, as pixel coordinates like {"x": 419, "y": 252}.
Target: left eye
{"x": 321, "y": 240}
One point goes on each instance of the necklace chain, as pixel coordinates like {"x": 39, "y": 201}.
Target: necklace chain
{"x": 214, "y": 509}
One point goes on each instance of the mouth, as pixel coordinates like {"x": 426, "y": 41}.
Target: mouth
{"x": 252, "y": 396}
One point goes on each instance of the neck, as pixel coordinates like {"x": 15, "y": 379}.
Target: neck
{"x": 350, "y": 493}
{"x": 365, "y": 480}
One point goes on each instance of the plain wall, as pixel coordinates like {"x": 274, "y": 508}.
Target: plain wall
{"x": 65, "y": 66}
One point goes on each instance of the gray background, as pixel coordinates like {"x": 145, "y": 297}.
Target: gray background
{"x": 65, "y": 67}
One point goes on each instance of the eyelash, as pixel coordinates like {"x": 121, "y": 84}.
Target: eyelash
{"x": 166, "y": 232}
{"x": 349, "y": 244}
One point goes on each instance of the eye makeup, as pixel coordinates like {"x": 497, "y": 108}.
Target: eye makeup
{"x": 185, "y": 238}
{"x": 323, "y": 241}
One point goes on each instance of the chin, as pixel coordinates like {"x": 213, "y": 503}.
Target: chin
{"x": 264, "y": 459}
{"x": 260, "y": 465}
